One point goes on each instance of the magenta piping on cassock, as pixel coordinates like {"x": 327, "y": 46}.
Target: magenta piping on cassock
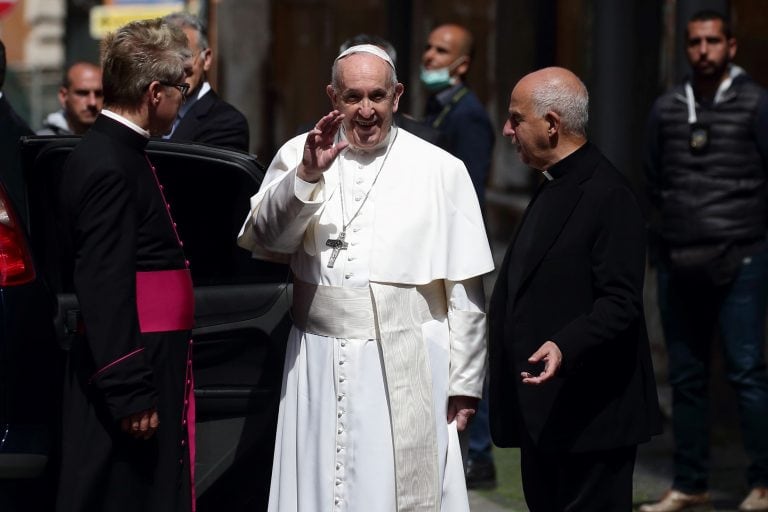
{"x": 116, "y": 361}
{"x": 189, "y": 421}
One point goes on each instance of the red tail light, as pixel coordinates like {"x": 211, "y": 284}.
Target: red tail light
{"x": 15, "y": 259}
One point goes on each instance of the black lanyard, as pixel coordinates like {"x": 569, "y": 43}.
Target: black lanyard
{"x": 448, "y": 106}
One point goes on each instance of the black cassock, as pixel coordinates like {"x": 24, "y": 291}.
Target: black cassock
{"x": 135, "y": 294}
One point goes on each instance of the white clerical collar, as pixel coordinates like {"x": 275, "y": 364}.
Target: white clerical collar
{"x": 122, "y": 120}
{"x": 547, "y": 175}
{"x": 1, "y": 94}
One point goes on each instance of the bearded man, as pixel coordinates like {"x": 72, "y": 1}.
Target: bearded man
{"x": 706, "y": 163}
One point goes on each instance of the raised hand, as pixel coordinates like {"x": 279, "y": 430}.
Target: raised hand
{"x": 319, "y": 148}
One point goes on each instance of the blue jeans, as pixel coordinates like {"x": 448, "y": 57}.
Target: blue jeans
{"x": 689, "y": 313}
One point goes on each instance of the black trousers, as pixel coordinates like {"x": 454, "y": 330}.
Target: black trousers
{"x": 599, "y": 481}
{"x": 105, "y": 470}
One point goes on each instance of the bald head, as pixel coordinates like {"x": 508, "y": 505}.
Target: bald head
{"x": 449, "y": 46}
{"x": 547, "y": 116}
{"x": 558, "y": 90}
{"x": 76, "y": 70}
{"x": 457, "y": 34}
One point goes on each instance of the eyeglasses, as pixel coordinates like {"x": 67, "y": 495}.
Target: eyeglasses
{"x": 182, "y": 87}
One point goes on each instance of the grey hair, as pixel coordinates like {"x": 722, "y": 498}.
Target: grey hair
{"x": 569, "y": 102}
{"x": 336, "y": 74}
{"x": 137, "y": 54}
{"x": 184, "y": 19}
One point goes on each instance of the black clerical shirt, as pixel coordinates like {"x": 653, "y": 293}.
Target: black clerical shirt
{"x": 540, "y": 205}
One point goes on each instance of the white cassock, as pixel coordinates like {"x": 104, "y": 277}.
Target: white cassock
{"x": 412, "y": 222}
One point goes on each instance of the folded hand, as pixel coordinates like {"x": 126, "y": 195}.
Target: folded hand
{"x": 141, "y": 425}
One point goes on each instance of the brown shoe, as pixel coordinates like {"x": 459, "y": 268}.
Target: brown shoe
{"x": 674, "y": 501}
{"x": 757, "y": 499}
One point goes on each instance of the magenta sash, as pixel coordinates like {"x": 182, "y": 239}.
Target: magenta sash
{"x": 165, "y": 300}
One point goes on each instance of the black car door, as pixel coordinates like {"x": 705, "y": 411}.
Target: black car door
{"x": 241, "y": 307}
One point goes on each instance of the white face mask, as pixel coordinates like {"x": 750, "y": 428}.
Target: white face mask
{"x": 436, "y": 79}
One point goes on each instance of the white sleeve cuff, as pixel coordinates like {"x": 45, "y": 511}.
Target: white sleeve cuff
{"x": 309, "y": 192}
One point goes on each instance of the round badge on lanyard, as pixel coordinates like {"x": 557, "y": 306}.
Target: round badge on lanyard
{"x": 698, "y": 141}
{"x": 699, "y": 138}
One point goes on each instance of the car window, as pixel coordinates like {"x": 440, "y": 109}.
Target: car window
{"x": 209, "y": 200}
{"x": 208, "y": 189}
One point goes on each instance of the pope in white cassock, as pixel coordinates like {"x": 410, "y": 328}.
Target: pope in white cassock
{"x": 386, "y": 359}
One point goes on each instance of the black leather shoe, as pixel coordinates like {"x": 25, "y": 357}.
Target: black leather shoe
{"x": 481, "y": 475}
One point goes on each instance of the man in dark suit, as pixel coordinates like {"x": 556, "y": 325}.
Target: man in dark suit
{"x": 205, "y": 117}
{"x": 127, "y": 392}
{"x": 571, "y": 381}
{"x": 12, "y": 127}
{"x": 454, "y": 109}
{"x": 466, "y": 132}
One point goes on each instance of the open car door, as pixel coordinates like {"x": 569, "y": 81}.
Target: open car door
{"x": 241, "y": 306}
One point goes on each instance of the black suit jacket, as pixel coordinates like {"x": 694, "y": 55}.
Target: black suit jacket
{"x": 578, "y": 283}
{"x": 467, "y": 134}
{"x": 12, "y": 127}
{"x": 214, "y": 121}
{"x": 421, "y": 130}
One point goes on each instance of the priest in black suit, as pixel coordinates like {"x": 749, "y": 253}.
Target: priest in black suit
{"x": 128, "y": 397}
{"x": 205, "y": 117}
{"x": 12, "y": 127}
{"x": 571, "y": 381}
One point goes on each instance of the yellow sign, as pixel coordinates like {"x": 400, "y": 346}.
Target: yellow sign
{"x": 108, "y": 18}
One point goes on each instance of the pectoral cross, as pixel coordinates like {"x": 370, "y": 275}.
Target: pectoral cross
{"x": 337, "y": 244}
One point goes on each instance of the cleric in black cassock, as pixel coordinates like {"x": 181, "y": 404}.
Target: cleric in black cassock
{"x": 128, "y": 384}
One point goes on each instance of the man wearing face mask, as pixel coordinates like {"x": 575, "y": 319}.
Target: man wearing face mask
{"x": 466, "y": 133}
{"x": 452, "y": 108}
